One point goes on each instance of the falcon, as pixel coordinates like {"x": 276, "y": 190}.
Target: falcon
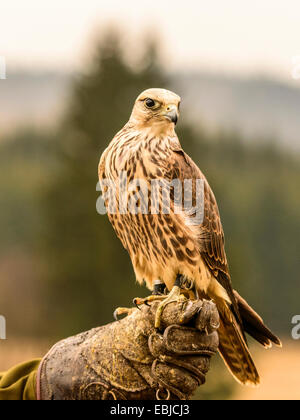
{"x": 175, "y": 247}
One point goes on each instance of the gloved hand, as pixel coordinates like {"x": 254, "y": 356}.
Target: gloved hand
{"x": 130, "y": 359}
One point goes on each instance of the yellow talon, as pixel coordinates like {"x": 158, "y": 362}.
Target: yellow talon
{"x": 174, "y": 296}
{"x": 145, "y": 301}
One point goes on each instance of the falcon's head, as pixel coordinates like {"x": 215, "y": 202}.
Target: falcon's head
{"x": 156, "y": 107}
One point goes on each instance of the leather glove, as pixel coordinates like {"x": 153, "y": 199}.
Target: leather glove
{"x": 130, "y": 359}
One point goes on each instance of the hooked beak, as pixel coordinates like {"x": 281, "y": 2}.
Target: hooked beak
{"x": 172, "y": 115}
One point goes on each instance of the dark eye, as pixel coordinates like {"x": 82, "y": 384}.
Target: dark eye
{"x": 149, "y": 103}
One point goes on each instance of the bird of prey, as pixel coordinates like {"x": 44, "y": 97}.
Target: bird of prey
{"x": 175, "y": 247}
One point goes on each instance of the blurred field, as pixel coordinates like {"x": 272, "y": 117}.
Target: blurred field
{"x": 17, "y": 350}
{"x": 280, "y": 374}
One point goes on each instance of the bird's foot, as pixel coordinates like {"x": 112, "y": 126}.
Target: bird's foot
{"x": 174, "y": 296}
{"x": 183, "y": 289}
{"x": 187, "y": 287}
{"x": 158, "y": 293}
{"x": 147, "y": 300}
{"x": 122, "y": 311}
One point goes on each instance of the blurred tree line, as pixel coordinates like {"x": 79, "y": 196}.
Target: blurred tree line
{"x": 62, "y": 268}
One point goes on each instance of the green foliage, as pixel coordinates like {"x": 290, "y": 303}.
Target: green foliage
{"x": 25, "y": 159}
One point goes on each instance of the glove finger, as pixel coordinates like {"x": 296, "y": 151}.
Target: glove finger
{"x": 190, "y": 310}
{"x": 208, "y": 319}
{"x": 183, "y": 341}
{"x": 175, "y": 379}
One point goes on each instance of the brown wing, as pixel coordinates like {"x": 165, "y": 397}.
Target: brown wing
{"x": 211, "y": 232}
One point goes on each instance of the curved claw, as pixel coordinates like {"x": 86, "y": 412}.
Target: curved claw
{"x": 121, "y": 311}
{"x": 188, "y": 284}
{"x": 116, "y": 314}
{"x": 136, "y": 304}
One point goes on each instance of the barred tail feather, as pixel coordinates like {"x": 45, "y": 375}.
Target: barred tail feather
{"x": 254, "y": 325}
{"x": 234, "y": 350}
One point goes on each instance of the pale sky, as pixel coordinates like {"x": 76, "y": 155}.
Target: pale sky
{"x": 221, "y": 35}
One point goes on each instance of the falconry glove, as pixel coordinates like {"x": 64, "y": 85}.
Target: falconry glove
{"x": 131, "y": 360}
